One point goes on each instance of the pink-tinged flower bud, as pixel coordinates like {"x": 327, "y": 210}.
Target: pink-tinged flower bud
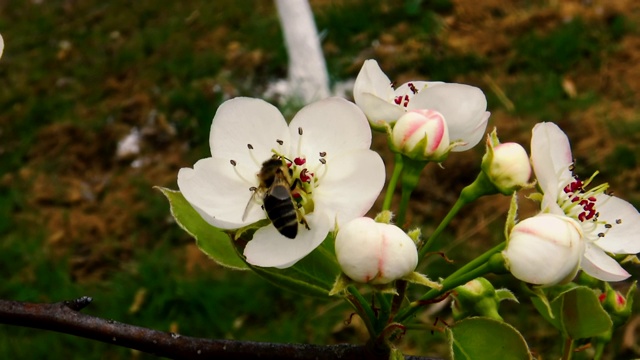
{"x": 617, "y": 305}
{"x": 545, "y": 249}
{"x": 376, "y": 253}
{"x": 421, "y": 135}
{"x": 506, "y": 165}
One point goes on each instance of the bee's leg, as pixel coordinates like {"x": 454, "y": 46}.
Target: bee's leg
{"x": 303, "y": 221}
{"x": 295, "y": 184}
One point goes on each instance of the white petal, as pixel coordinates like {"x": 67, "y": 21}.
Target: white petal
{"x": 372, "y": 80}
{"x": 242, "y": 121}
{"x": 332, "y": 125}
{"x": 271, "y": 249}
{"x": 413, "y": 87}
{"x": 550, "y": 157}
{"x": 357, "y": 247}
{"x": 598, "y": 264}
{"x": 463, "y": 106}
{"x": 218, "y": 194}
{"x": 350, "y": 186}
{"x": 373, "y": 93}
{"x": 378, "y": 109}
{"x": 623, "y": 238}
{"x": 1, "y": 45}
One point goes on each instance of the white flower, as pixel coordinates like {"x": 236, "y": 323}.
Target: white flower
{"x": 1, "y": 45}
{"x": 544, "y": 249}
{"x": 463, "y": 106}
{"x": 609, "y": 224}
{"x": 376, "y": 253}
{"x": 506, "y": 164}
{"x": 327, "y": 143}
{"x": 421, "y": 135}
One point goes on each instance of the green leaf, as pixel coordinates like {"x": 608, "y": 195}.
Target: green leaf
{"x": 480, "y": 338}
{"x": 576, "y": 312}
{"x": 211, "y": 240}
{"x": 581, "y": 313}
{"x": 314, "y": 275}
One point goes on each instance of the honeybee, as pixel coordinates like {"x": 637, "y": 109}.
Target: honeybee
{"x": 277, "y": 200}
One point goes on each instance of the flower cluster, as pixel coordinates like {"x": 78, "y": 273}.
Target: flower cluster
{"x": 429, "y": 119}
{"x": 578, "y": 224}
{"x": 328, "y": 166}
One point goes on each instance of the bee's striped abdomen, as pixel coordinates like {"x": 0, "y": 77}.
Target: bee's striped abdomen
{"x": 281, "y": 211}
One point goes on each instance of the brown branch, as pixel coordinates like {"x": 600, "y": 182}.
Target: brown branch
{"x": 64, "y": 317}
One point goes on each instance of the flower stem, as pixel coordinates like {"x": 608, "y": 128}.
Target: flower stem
{"x": 567, "y": 348}
{"x": 476, "y": 268}
{"x": 397, "y": 171}
{"x": 385, "y": 310}
{"x": 481, "y": 186}
{"x": 410, "y": 178}
{"x": 363, "y": 309}
{"x": 401, "y": 288}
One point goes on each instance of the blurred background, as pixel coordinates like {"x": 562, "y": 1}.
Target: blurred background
{"x": 102, "y": 101}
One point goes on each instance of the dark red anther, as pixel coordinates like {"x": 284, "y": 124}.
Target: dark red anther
{"x": 305, "y": 176}
{"x": 413, "y": 88}
{"x": 299, "y": 161}
{"x": 397, "y": 100}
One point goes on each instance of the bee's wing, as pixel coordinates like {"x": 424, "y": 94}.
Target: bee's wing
{"x": 280, "y": 188}
{"x": 253, "y": 202}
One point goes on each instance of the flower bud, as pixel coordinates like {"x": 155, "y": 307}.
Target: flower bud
{"x": 545, "y": 249}
{"x": 421, "y": 135}
{"x": 376, "y": 253}
{"x": 476, "y": 298}
{"x": 617, "y": 305}
{"x": 506, "y": 165}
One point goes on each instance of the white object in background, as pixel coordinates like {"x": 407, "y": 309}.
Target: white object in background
{"x": 308, "y": 77}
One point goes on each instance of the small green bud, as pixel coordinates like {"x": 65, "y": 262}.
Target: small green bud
{"x": 478, "y": 297}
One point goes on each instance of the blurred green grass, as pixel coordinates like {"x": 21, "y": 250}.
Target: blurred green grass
{"x": 101, "y": 69}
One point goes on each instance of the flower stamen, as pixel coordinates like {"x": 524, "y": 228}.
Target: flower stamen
{"x": 253, "y": 157}
{"x": 234, "y": 163}
{"x": 300, "y": 132}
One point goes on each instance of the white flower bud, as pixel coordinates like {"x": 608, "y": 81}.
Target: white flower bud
{"x": 545, "y": 249}
{"x": 506, "y": 165}
{"x": 421, "y": 135}
{"x": 376, "y": 253}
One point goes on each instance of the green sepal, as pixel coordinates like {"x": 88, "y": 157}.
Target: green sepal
{"x": 212, "y": 241}
{"x": 340, "y": 285}
{"x": 475, "y": 338}
{"x": 506, "y": 294}
{"x": 421, "y": 279}
{"x": 511, "y": 216}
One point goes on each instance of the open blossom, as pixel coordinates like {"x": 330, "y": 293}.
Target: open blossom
{"x": 376, "y": 253}
{"x": 326, "y": 148}
{"x": 609, "y": 224}
{"x": 463, "y": 106}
